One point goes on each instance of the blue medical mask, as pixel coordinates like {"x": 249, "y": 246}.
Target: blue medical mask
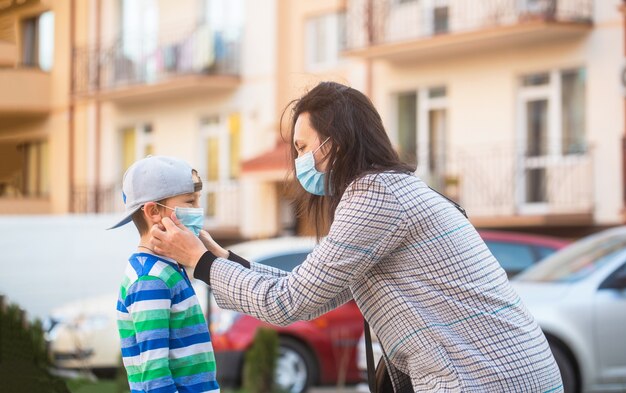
{"x": 311, "y": 179}
{"x": 191, "y": 217}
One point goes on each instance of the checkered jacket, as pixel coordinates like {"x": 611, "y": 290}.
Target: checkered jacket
{"x": 445, "y": 314}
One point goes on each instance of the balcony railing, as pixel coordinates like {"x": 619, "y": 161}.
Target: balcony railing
{"x": 504, "y": 182}
{"x": 92, "y": 199}
{"x": 222, "y": 202}
{"x": 376, "y": 22}
{"x": 135, "y": 61}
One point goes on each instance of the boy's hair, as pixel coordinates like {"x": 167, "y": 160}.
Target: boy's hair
{"x": 140, "y": 221}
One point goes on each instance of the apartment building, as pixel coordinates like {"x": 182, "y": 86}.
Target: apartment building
{"x": 35, "y": 138}
{"x": 184, "y": 79}
{"x": 515, "y": 108}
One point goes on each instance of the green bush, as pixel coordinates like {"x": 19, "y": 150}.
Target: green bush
{"x": 260, "y": 362}
{"x": 24, "y": 360}
{"x": 121, "y": 379}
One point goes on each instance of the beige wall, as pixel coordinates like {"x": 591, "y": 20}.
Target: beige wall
{"x": 53, "y": 125}
{"x": 482, "y": 93}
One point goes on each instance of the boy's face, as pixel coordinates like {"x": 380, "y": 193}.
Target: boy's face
{"x": 154, "y": 213}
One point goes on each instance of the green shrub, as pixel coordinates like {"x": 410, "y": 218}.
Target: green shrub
{"x": 260, "y": 362}
{"x": 24, "y": 360}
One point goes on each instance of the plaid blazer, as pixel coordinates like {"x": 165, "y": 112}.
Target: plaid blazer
{"x": 445, "y": 314}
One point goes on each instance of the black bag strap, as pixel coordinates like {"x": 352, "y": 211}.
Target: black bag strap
{"x": 369, "y": 355}
{"x": 369, "y": 352}
{"x": 459, "y": 207}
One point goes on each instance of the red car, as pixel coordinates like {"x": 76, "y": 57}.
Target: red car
{"x": 323, "y": 351}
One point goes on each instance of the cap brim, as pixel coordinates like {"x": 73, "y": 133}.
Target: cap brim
{"x": 128, "y": 217}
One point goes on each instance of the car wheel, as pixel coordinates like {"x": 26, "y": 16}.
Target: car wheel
{"x": 296, "y": 368}
{"x": 568, "y": 372}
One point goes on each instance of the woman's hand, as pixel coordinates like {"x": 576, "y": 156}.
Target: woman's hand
{"x": 212, "y": 246}
{"x": 176, "y": 242}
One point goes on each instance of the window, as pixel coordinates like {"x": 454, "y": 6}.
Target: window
{"x": 544, "y": 252}
{"x": 580, "y": 259}
{"x": 220, "y": 149}
{"x": 234, "y": 130}
{"x": 424, "y": 142}
{"x": 325, "y": 39}
{"x": 552, "y": 123}
{"x": 407, "y": 127}
{"x": 286, "y": 262}
{"x": 440, "y": 17}
{"x": 573, "y": 111}
{"x": 25, "y": 169}
{"x": 539, "y": 79}
{"x": 513, "y": 257}
{"x": 38, "y": 41}
{"x": 136, "y": 144}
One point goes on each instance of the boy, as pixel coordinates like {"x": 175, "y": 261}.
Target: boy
{"x": 166, "y": 345}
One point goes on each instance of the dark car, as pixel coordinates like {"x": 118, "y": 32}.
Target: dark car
{"x": 518, "y": 251}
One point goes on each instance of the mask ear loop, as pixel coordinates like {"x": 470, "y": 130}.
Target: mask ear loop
{"x": 167, "y": 207}
{"x": 320, "y": 146}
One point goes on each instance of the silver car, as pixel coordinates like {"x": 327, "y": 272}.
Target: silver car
{"x": 578, "y": 296}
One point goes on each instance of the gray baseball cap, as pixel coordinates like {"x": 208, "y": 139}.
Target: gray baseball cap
{"x": 152, "y": 179}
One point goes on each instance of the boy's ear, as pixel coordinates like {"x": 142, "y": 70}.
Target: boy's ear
{"x": 151, "y": 213}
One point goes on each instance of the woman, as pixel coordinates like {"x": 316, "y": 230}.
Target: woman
{"x": 435, "y": 296}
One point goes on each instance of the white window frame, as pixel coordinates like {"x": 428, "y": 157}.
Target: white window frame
{"x": 332, "y": 24}
{"x": 551, "y": 92}
{"x": 428, "y": 10}
{"x": 142, "y": 139}
{"x": 219, "y": 130}
{"x": 424, "y": 105}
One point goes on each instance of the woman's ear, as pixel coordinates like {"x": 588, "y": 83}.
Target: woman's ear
{"x": 152, "y": 213}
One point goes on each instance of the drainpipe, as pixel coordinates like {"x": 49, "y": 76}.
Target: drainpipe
{"x": 369, "y": 17}
{"x": 71, "y": 105}
{"x": 623, "y": 10}
{"x": 98, "y": 109}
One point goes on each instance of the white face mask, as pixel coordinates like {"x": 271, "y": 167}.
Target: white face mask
{"x": 190, "y": 217}
{"x": 310, "y": 178}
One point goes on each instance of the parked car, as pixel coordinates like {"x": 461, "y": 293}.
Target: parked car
{"x": 514, "y": 251}
{"x": 578, "y": 296}
{"x": 517, "y": 252}
{"x": 311, "y": 352}
{"x": 318, "y": 359}
{"x": 83, "y": 334}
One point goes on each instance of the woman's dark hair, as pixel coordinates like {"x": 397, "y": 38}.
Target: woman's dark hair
{"x": 359, "y": 145}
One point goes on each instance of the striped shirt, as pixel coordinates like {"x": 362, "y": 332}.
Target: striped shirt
{"x": 166, "y": 346}
{"x": 440, "y": 304}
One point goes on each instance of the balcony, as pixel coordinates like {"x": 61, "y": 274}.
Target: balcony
{"x": 138, "y": 69}
{"x": 20, "y": 206}
{"x": 24, "y": 92}
{"x": 409, "y": 29}
{"x": 221, "y": 202}
{"x": 502, "y": 187}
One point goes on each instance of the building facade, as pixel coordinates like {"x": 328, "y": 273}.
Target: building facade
{"x": 512, "y": 107}
{"x": 35, "y": 138}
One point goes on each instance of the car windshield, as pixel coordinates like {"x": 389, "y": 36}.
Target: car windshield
{"x": 286, "y": 262}
{"x": 578, "y": 260}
